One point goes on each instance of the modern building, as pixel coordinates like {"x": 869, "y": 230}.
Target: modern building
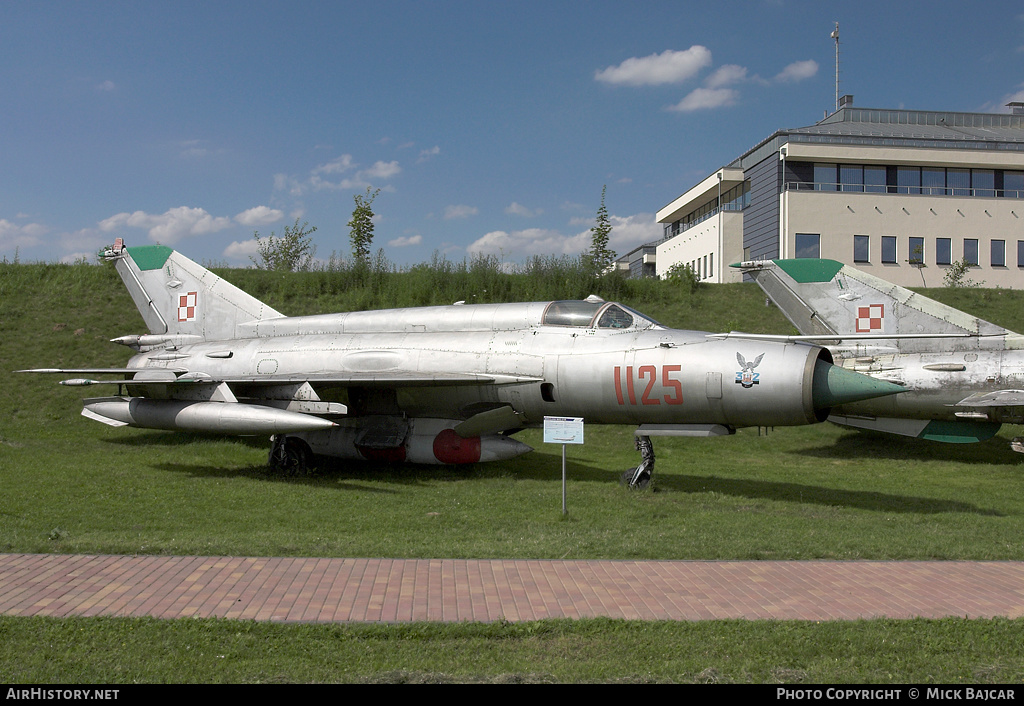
{"x": 902, "y": 194}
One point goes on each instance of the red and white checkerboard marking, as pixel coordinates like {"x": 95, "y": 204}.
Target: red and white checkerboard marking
{"x": 869, "y": 318}
{"x": 187, "y": 306}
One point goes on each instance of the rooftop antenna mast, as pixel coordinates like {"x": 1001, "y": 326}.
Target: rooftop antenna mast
{"x": 835, "y": 36}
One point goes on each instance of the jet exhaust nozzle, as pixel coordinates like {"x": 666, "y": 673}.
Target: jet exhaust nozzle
{"x": 834, "y": 386}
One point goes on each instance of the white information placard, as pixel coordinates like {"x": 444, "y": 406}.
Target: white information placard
{"x": 563, "y": 430}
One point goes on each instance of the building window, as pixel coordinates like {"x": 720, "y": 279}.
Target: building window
{"x": 983, "y": 182}
{"x": 933, "y": 180}
{"x": 808, "y": 245}
{"x": 998, "y": 253}
{"x": 1013, "y": 184}
{"x": 959, "y": 180}
{"x": 943, "y": 251}
{"x": 971, "y": 251}
{"x": 1020, "y": 253}
{"x": 851, "y": 177}
{"x": 874, "y": 179}
{"x": 825, "y": 177}
{"x": 888, "y": 248}
{"x": 915, "y": 254}
{"x": 901, "y": 179}
{"x": 908, "y": 180}
{"x": 861, "y": 248}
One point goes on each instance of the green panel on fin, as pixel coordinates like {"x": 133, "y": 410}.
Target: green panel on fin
{"x": 150, "y": 257}
{"x": 808, "y": 270}
{"x": 959, "y": 432}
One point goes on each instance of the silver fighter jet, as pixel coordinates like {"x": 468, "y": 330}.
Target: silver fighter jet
{"x": 442, "y": 384}
{"x": 964, "y": 376}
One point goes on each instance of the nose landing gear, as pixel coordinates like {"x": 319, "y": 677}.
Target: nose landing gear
{"x": 640, "y": 477}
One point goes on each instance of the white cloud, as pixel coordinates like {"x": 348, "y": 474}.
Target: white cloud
{"x": 668, "y": 67}
{"x": 427, "y": 154}
{"x": 170, "y": 227}
{"x": 405, "y": 242}
{"x": 460, "y": 211}
{"x": 259, "y": 216}
{"x": 627, "y": 233}
{"x": 705, "y": 99}
{"x": 14, "y": 236}
{"x": 106, "y": 86}
{"x": 798, "y": 71}
{"x": 532, "y": 241}
{"x": 318, "y": 184}
{"x": 382, "y": 170}
{"x": 192, "y": 148}
{"x": 1013, "y": 97}
{"x": 726, "y": 75}
{"x": 516, "y": 209}
{"x": 335, "y": 166}
{"x": 84, "y": 240}
{"x": 242, "y": 250}
{"x": 283, "y": 182}
{"x": 379, "y": 170}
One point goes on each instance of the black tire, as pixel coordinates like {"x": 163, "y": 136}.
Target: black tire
{"x": 290, "y": 457}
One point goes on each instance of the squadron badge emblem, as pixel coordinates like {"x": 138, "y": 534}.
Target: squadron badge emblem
{"x": 746, "y": 375}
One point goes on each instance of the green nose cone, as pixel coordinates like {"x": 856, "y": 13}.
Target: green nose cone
{"x": 834, "y": 386}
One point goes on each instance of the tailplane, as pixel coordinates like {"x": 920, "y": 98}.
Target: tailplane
{"x": 826, "y": 297}
{"x": 178, "y": 297}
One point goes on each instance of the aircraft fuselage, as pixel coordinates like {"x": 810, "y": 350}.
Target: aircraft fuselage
{"x": 610, "y": 376}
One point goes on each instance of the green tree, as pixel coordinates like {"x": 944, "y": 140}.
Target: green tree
{"x": 684, "y": 277}
{"x": 956, "y": 275}
{"x": 361, "y": 226}
{"x": 600, "y": 256}
{"x": 292, "y": 252}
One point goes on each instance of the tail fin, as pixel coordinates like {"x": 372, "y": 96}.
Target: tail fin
{"x": 176, "y": 296}
{"x": 828, "y": 297}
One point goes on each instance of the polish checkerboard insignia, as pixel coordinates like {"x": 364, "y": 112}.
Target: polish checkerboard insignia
{"x": 187, "y": 306}
{"x": 869, "y": 318}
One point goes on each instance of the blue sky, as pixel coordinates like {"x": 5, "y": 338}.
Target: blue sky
{"x": 489, "y": 127}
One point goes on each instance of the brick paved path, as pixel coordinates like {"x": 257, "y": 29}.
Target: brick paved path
{"x": 393, "y": 590}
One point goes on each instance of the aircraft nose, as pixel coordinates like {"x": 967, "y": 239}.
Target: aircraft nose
{"x": 834, "y": 386}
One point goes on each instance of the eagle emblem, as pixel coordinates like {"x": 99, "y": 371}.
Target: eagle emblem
{"x": 745, "y": 375}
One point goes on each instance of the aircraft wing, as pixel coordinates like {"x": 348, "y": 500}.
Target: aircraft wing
{"x": 137, "y": 375}
{"x": 295, "y": 396}
{"x": 838, "y": 337}
{"x": 960, "y": 431}
{"x": 390, "y": 378}
{"x": 999, "y": 398}
{"x": 1006, "y": 406}
{"x": 380, "y": 379}
{"x": 94, "y": 371}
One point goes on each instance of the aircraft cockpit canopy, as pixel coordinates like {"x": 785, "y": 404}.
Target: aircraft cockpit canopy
{"x": 594, "y": 314}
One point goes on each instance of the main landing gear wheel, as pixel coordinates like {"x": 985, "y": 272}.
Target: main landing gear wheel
{"x": 289, "y": 456}
{"x": 640, "y": 477}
